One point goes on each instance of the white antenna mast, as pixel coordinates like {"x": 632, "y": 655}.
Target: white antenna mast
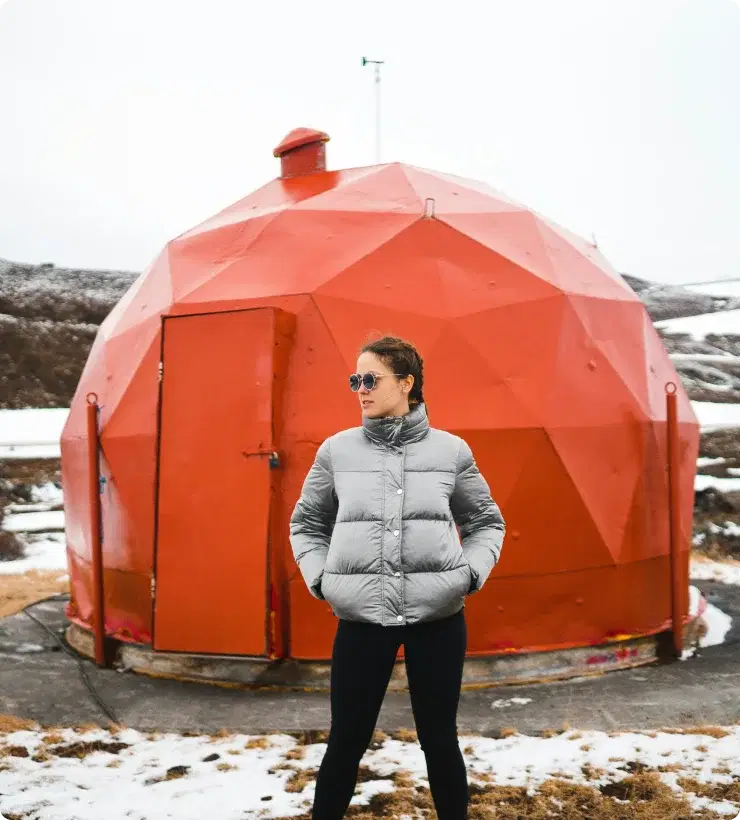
{"x": 376, "y": 64}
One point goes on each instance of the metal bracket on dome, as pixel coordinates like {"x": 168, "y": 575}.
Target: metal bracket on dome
{"x": 429, "y": 207}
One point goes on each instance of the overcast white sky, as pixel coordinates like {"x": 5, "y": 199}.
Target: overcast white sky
{"x": 124, "y": 123}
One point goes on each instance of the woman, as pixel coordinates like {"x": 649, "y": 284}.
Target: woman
{"x": 374, "y": 534}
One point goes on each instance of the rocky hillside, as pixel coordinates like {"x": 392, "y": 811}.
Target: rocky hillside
{"x": 48, "y": 319}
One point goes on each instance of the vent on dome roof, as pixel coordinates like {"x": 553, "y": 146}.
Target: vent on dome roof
{"x": 303, "y": 151}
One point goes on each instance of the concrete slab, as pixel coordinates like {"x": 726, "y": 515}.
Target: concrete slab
{"x": 45, "y": 684}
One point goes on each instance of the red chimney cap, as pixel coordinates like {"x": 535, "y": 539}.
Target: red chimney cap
{"x": 298, "y": 138}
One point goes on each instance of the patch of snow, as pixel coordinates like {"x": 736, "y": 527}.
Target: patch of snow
{"x": 706, "y": 570}
{"x": 45, "y": 554}
{"x": 709, "y": 358}
{"x": 502, "y": 703}
{"x": 716, "y": 415}
{"x": 724, "y": 322}
{"x": 131, "y": 784}
{"x": 701, "y": 482}
{"x": 729, "y": 288}
{"x": 718, "y": 624}
{"x": 34, "y": 521}
{"x": 706, "y": 462}
{"x": 47, "y": 493}
{"x": 32, "y": 433}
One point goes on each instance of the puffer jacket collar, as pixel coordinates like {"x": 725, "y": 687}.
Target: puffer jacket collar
{"x": 396, "y": 431}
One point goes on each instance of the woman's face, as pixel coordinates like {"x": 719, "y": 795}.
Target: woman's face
{"x": 390, "y": 396}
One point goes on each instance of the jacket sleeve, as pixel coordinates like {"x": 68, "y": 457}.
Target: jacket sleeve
{"x": 482, "y": 527}
{"x": 312, "y": 520}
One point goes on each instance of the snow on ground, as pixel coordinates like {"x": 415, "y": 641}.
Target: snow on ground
{"x": 724, "y": 322}
{"x": 706, "y": 462}
{"x": 725, "y": 485}
{"x": 715, "y": 415}
{"x": 729, "y": 288}
{"x": 45, "y": 553}
{"x": 703, "y": 569}
{"x": 129, "y": 775}
{"x": 32, "y": 433}
{"x": 44, "y": 521}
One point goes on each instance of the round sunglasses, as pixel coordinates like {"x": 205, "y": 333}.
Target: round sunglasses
{"x": 368, "y": 380}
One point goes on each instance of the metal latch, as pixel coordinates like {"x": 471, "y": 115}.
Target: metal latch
{"x": 274, "y": 458}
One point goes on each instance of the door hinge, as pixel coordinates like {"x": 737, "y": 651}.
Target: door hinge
{"x": 160, "y": 371}
{"x": 153, "y": 586}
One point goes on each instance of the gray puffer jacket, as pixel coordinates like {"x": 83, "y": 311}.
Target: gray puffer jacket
{"x": 375, "y": 529}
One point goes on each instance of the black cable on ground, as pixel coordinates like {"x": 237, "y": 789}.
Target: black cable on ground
{"x": 61, "y": 596}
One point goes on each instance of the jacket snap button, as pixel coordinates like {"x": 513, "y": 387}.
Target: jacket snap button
{"x": 399, "y": 492}
{"x": 397, "y": 574}
{"x": 395, "y": 532}
{"x": 399, "y": 618}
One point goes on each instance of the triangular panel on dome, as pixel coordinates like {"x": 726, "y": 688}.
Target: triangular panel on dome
{"x": 149, "y": 295}
{"x": 553, "y": 530}
{"x": 503, "y": 454}
{"x": 584, "y": 388}
{"x": 616, "y": 327}
{"x": 456, "y": 195}
{"x": 201, "y": 258}
{"x": 351, "y": 333}
{"x": 301, "y": 250}
{"x": 475, "y": 280}
{"x": 511, "y": 234}
{"x": 131, "y": 359}
{"x": 576, "y": 272}
{"x": 606, "y": 463}
{"x": 399, "y": 274}
{"x": 381, "y": 188}
{"x": 520, "y": 341}
{"x": 463, "y": 381}
{"x": 275, "y": 197}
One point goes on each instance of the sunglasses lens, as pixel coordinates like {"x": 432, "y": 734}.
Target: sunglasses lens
{"x": 368, "y": 381}
{"x": 354, "y": 382}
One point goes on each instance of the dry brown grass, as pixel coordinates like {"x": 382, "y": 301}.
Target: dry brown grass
{"x": 714, "y": 791}
{"x": 14, "y": 751}
{"x": 508, "y": 731}
{"x": 81, "y": 748}
{"x": 402, "y": 779}
{"x": 297, "y": 753}
{"x": 637, "y": 797}
{"x": 257, "y": 743}
{"x": 226, "y": 767}
{"x": 52, "y": 738}
{"x": 710, "y": 731}
{"x": 379, "y": 738}
{"x": 366, "y": 774}
{"x": 12, "y": 723}
{"x": 300, "y": 780}
{"x": 20, "y": 590}
{"x": 405, "y": 736}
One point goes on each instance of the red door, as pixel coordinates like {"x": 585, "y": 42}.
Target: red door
{"x": 214, "y": 483}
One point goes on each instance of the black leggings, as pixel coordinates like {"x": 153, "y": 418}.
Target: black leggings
{"x": 362, "y": 663}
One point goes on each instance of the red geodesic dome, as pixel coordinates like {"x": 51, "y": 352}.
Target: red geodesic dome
{"x": 225, "y": 365}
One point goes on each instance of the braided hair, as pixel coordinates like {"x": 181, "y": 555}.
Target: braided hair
{"x": 403, "y": 359}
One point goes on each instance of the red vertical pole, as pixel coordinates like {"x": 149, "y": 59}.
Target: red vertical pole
{"x": 674, "y": 506}
{"x": 97, "y": 547}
